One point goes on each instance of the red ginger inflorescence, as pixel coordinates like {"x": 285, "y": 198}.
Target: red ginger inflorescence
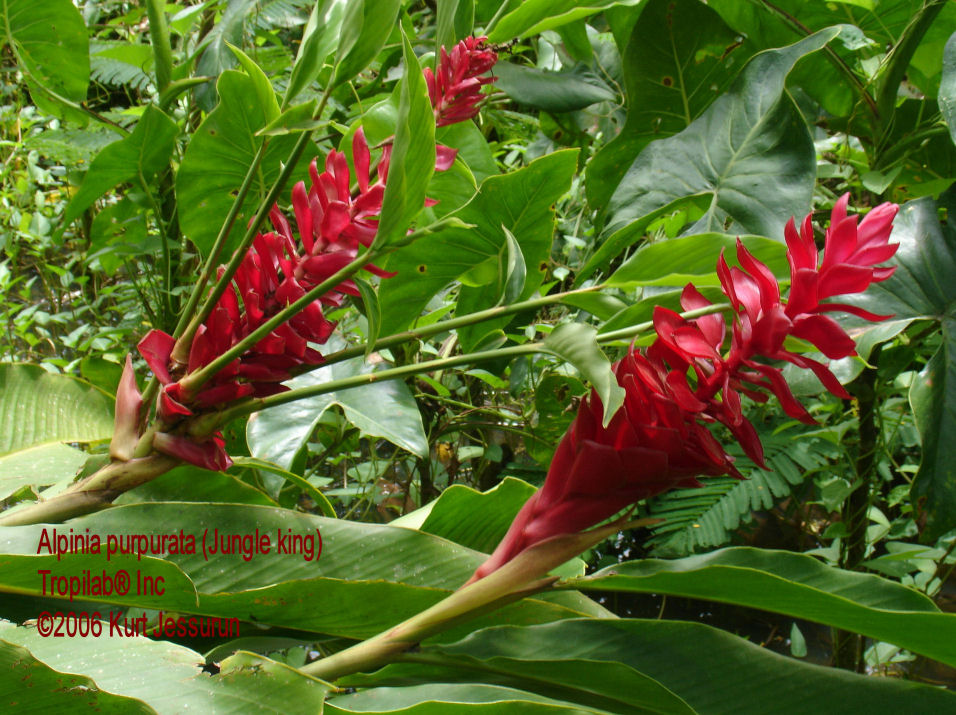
{"x": 659, "y": 439}
{"x": 455, "y": 91}
{"x": 332, "y": 223}
{"x": 277, "y": 270}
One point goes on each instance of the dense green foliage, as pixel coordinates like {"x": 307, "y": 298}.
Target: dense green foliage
{"x": 622, "y": 147}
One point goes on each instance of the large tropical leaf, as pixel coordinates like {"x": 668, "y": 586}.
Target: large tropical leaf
{"x": 680, "y": 57}
{"x": 218, "y": 157}
{"x": 61, "y": 68}
{"x": 40, "y": 411}
{"x": 154, "y": 676}
{"x": 383, "y": 409}
{"x": 750, "y": 150}
{"x": 796, "y": 585}
{"x": 522, "y": 202}
{"x": 658, "y": 666}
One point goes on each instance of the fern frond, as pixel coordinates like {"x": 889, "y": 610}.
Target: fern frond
{"x": 703, "y": 518}
{"x": 120, "y": 64}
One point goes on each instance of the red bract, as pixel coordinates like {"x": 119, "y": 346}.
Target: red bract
{"x": 685, "y": 380}
{"x": 455, "y": 90}
{"x": 277, "y": 270}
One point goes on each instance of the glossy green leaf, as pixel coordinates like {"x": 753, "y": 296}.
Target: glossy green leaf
{"x": 694, "y": 258}
{"x": 692, "y": 207}
{"x": 294, "y": 119}
{"x": 750, "y": 150}
{"x": 442, "y": 698}
{"x": 565, "y": 91}
{"x": 216, "y": 57}
{"x": 947, "y": 86}
{"x": 366, "y": 25}
{"x": 628, "y": 665}
{"x": 373, "y": 313}
{"x": 400, "y": 573}
{"x": 319, "y": 39}
{"x": 412, "y": 160}
{"x": 512, "y": 270}
{"x": 216, "y": 161}
{"x": 193, "y": 484}
{"x": 533, "y": 16}
{"x": 922, "y": 288}
{"x": 680, "y": 57}
{"x": 383, "y": 409}
{"x": 134, "y": 158}
{"x": 265, "y": 95}
{"x": 575, "y": 342}
{"x": 61, "y": 67}
{"x": 868, "y": 28}
{"x": 169, "y": 677}
{"x": 475, "y": 519}
{"x": 38, "y": 466}
{"x": 453, "y": 21}
{"x": 521, "y": 201}
{"x": 38, "y": 408}
{"x": 796, "y": 585}
{"x": 26, "y": 682}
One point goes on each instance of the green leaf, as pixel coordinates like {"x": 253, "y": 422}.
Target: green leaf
{"x": 216, "y": 161}
{"x": 575, "y": 342}
{"x": 947, "y": 86}
{"x": 521, "y": 201}
{"x": 61, "y": 67}
{"x": 533, "y": 16}
{"x": 795, "y": 585}
{"x": 170, "y": 677}
{"x": 373, "y": 313}
{"x": 511, "y": 270}
{"x": 680, "y": 57}
{"x": 565, "y": 91}
{"x": 189, "y": 483}
{"x": 692, "y": 207}
{"x": 318, "y": 41}
{"x": 38, "y": 466}
{"x": 413, "y": 155}
{"x": 629, "y": 665}
{"x": 454, "y": 20}
{"x": 366, "y": 26}
{"x": 400, "y": 573}
{"x": 750, "y": 150}
{"x": 25, "y": 679}
{"x": 38, "y": 408}
{"x": 134, "y": 158}
{"x": 676, "y": 261}
{"x": 265, "y": 95}
{"x": 294, "y": 119}
{"x": 922, "y": 288}
{"x": 442, "y": 698}
{"x": 383, "y": 409}
{"x": 475, "y": 519}
{"x": 216, "y": 57}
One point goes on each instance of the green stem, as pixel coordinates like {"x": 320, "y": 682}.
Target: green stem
{"x": 443, "y": 326}
{"x": 209, "y": 423}
{"x": 95, "y": 492}
{"x": 189, "y": 323}
{"x": 159, "y": 39}
{"x": 193, "y": 382}
{"x": 632, "y": 330}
